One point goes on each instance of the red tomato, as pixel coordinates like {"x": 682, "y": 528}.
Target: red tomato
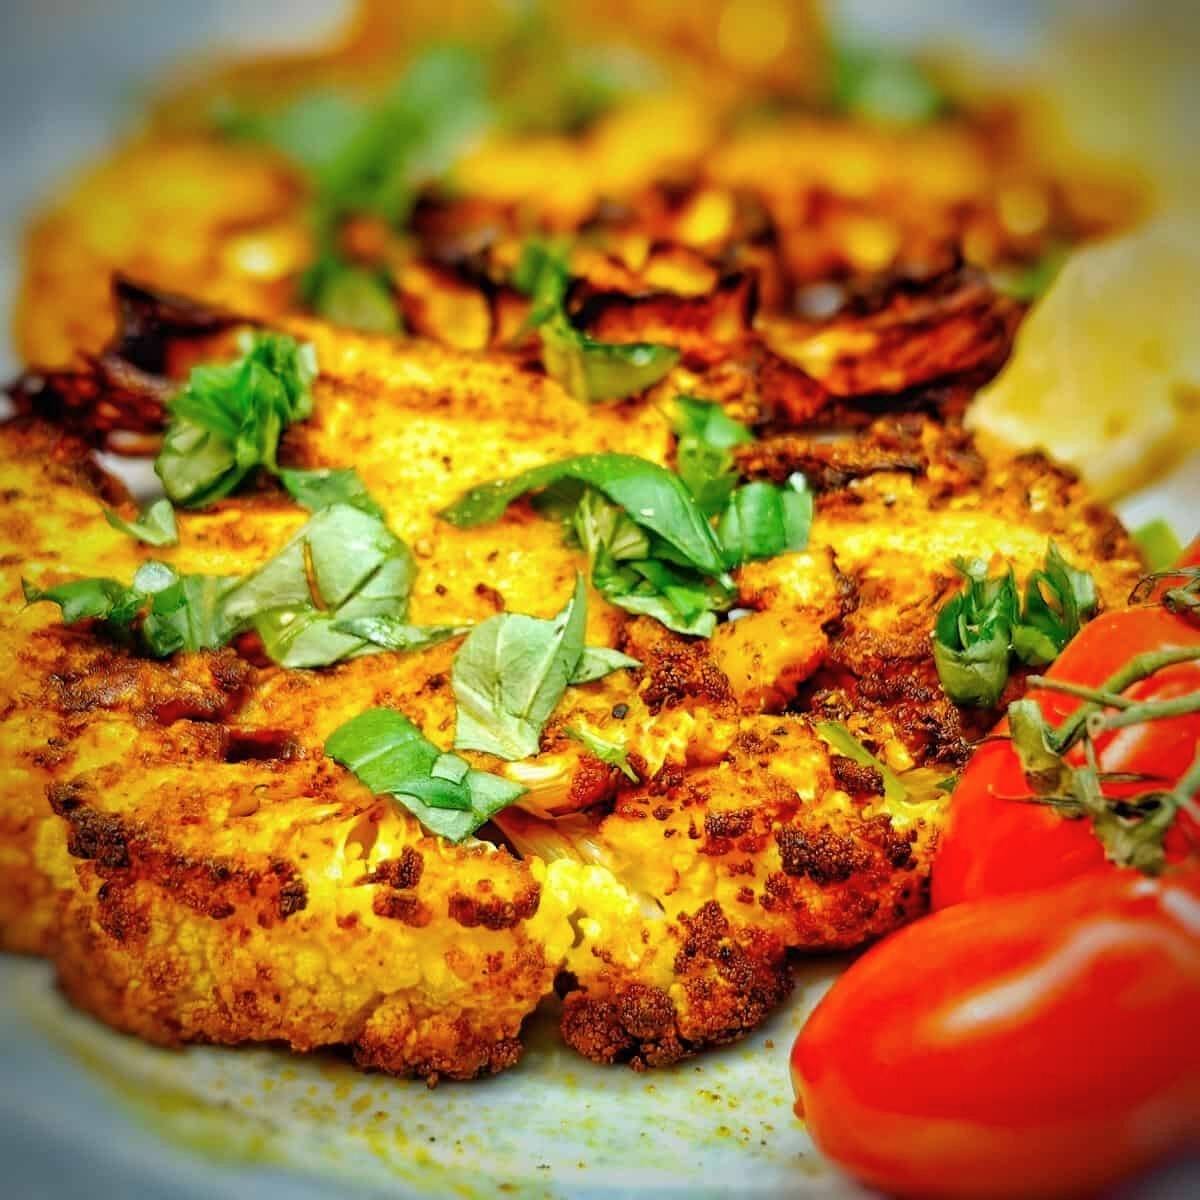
{"x": 1042, "y": 1045}
{"x": 996, "y": 844}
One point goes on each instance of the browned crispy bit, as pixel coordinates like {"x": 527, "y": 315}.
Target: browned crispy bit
{"x": 125, "y": 388}
{"x": 826, "y": 465}
{"x": 150, "y": 319}
{"x": 732, "y": 978}
{"x": 905, "y": 337}
{"x": 705, "y": 328}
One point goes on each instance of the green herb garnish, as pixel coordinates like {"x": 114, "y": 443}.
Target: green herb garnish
{"x": 512, "y": 671}
{"x": 392, "y": 757}
{"x": 972, "y": 637}
{"x": 306, "y": 603}
{"x": 651, "y": 496}
{"x": 839, "y": 738}
{"x": 613, "y": 753}
{"x": 588, "y": 369}
{"x": 762, "y": 521}
{"x": 979, "y": 630}
{"x": 155, "y": 525}
{"x": 227, "y": 419}
{"x": 372, "y": 157}
{"x": 651, "y": 547}
{"x": 178, "y": 612}
{"x": 704, "y": 451}
{"x": 1058, "y": 600}
{"x": 326, "y": 486}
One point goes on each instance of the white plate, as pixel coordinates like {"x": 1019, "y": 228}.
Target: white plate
{"x": 85, "y": 1111}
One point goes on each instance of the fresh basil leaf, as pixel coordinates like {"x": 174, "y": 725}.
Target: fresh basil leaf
{"x": 677, "y": 598}
{"x": 1058, "y": 600}
{"x": 228, "y": 418}
{"x": 839, "y": 738}
{"x": 391, "y": 633}
{"x": 343, "y": 564}
{"x": 1159, "y": 544}
{"x": 89, "y": 599}
{"x": 652, "y": 496}
{"x": 323, "y": 487}
{"x": 704, "y": 451}
{"x": 763, "y": 521}
{"x": 884, "y": 87}
{"x": 390, "y": 756}
{"x": 598, "y": 661}
{"x": 599, "y": 524}
{"x": 186, "y": 612}
{"x": 510, "y": 674}
{"x": 542, "y": 274}
{"x": 592, "y": 370}
{"x": 973, "y": 636}
{"x": 612, "y": 753}
{"x": 155, "y": 525}
{"x": 182, "y": 612}
{"x": 588, "y": 369}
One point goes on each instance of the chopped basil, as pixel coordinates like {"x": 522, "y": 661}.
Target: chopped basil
{"x": 187, "y": 612}
{"x": 1058, "y": 600}
{"x": 227, "y": 419}
{"x": 155, "y": 525}
{"x": 598, "y": 661}
{"x": 972, "y": 637}
{"x": 1159, "y": 544}
{"x": 332, "y": 592}
{"x": 612, "y": 753}
{"x": 978, "y": 630}
{"x": 652, "y": 549}
{"x": 390, "y": 756}
{"x": 391, "y": 633}
{"x": 512, "y": 671}
{"x": 762, "y": 520}
{"x": 588, "y": 369}
{"x": 372, "y": 158}
{"x": 181, "y": 612}
{"x": 651, "y": 496}
{"x": 89, "y": 599}
{"x": 326, "y": 486}
{"x": 839, "y": 738}
{"x": 704, "y": 451}
{"x": 341, "y": 565}
{"x": 592, "y": 370}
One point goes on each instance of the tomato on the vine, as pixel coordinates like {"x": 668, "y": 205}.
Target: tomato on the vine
{"x": 1040, "y": 1045}
{"x": 998, "y": 840}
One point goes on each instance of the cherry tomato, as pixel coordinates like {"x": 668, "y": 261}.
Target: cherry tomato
{"x": 1041, "y": 1045}
{"x": 995, "y": 843}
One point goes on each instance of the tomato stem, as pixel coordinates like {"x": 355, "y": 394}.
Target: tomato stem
{"x": 1140, "y": 666}
{"x": 1096, "y": 695}
{"x": 1135, "y": 714}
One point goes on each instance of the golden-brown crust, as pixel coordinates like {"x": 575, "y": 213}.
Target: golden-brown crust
{"x": 176, "y": 839}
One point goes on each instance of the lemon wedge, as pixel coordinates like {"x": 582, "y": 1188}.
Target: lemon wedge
{"x": 1105, "y": 374}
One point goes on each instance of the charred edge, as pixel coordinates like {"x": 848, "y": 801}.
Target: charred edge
{"x": 211, "y": 886}
{"x": 732, "y": 982}
{"x": 149, "y": 319}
